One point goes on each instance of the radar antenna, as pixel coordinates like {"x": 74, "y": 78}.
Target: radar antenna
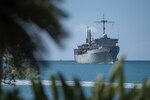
{"x": 103, "y": 21}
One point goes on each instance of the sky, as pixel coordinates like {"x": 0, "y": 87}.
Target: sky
{"x": 131, "y": 26}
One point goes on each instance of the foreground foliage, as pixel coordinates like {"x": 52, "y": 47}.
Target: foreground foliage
{"x": 23, "y": 23}
{"x": 22, "y": 73}
{"x": 100, "y": 90}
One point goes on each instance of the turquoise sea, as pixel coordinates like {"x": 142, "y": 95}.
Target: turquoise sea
{"x": 135, "y": 72}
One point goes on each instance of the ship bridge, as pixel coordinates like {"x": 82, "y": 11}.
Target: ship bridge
{"x": 107, "y": 42}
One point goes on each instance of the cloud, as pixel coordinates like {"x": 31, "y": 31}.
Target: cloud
{"x": 82, "y": 29}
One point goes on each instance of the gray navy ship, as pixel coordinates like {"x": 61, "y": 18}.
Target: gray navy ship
{"x": 103, "y": 50}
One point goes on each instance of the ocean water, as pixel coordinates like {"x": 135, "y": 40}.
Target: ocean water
{"x": 134, "y": 71}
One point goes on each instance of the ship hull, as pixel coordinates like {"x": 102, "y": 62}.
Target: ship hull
{"x": 101, "y": 56}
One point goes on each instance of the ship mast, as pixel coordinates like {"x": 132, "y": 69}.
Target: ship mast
{"x": 103, "y": 22}
{"x": 88, "y": 40}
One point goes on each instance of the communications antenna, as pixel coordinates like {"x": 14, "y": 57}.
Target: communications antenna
{"x": 103, "y": 22}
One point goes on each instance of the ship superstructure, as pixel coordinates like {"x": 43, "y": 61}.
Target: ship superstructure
{"x": 100, "y": 50}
